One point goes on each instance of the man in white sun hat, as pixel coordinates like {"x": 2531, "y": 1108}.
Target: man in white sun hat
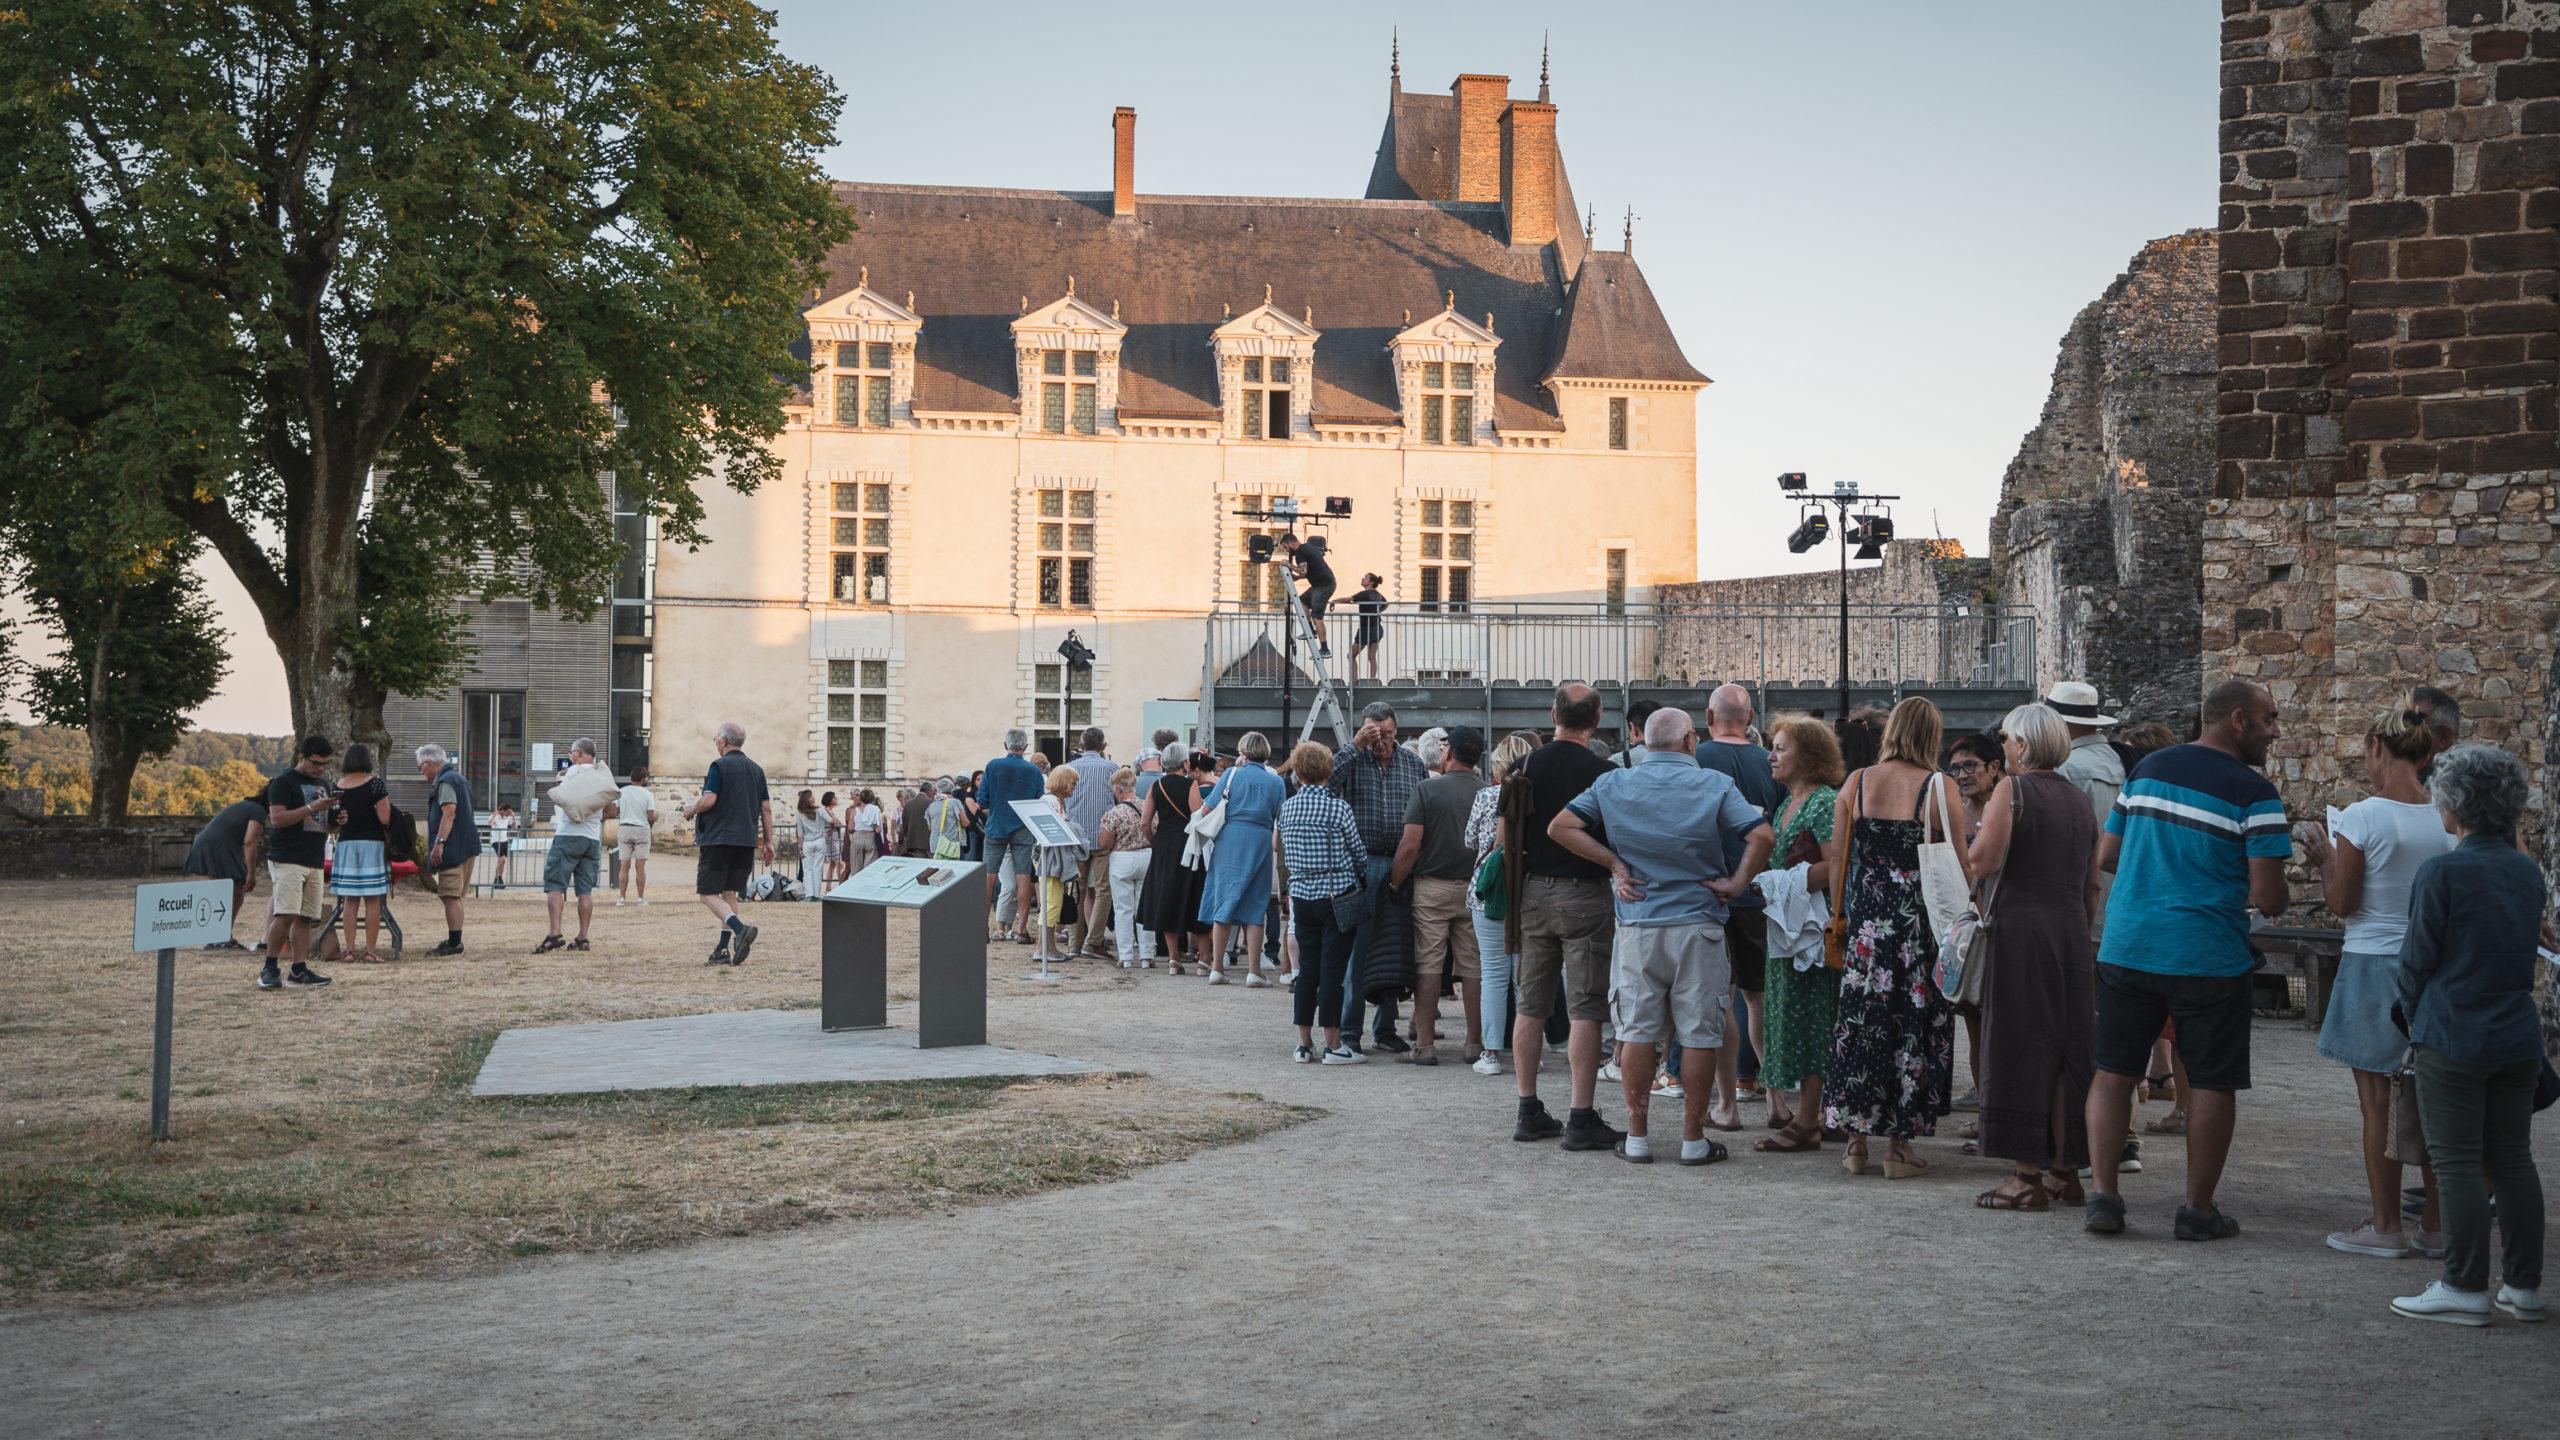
{"x": 2092, "y": 767}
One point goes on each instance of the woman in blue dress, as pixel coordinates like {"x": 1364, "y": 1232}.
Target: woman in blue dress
{"x": 1237, "y": 894}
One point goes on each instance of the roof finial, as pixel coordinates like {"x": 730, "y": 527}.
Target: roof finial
{"x": 1449, "y": 301}
{"x": 911, "y": 302}
{"x": 1071, "y": 284}
{"x": 1311, "y": 315}
{"x": 866, "y": 276}
{"x": 1226, "y": 311}
{"x": 1488, "y": 322}
{"x": 1395, "y": 57}
{"x": 1115, "y": 311}
{"x": 1408, "y": 317}
{"x": 1266, "y": 294}
{"x": 1542, "y": 65}
{"x": 1026, "y": 304}
{"x": 1628, "y": 245}
{"x": 1590, "y": 223}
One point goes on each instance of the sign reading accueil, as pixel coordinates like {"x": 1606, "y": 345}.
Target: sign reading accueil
{"x": 181, "y": 914}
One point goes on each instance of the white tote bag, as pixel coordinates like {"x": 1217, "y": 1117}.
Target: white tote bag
{"x": 1942, "y": 886}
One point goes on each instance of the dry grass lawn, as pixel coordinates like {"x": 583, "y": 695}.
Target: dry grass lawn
{"x": 324, "y": 1135}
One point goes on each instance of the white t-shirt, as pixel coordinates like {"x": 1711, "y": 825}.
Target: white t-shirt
{"x": 866, "y": 818}
{"x": 2396, "y": 839}
{"x": 501, "y": 829}
{"x": 634, "y": 805}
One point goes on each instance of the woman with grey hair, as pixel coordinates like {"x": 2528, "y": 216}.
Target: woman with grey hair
{"x": 2035, "y": 860}
{"x": 2465, "y": 996}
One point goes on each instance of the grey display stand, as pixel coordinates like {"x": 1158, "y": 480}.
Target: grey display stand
{"x": 951, "y": 949}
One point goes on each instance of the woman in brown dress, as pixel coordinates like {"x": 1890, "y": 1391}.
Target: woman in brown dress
{"x": 2039, "y": 842}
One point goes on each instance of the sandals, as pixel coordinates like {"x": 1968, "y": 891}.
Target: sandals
{"x": 551, "y": 943}
{"x": 2173, "y": 1123}
{"x": 2033, "y": 1195}
{"x": 1910, "y": 1167}
{"x": 2162, "y": 1087}
{"x": 1855, "y": 1162}
{"x": 2064, "y": 1187}
{"x": 1788, "y": 1141}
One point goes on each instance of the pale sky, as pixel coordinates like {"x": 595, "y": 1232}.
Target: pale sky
{"x": 1869, "y": 221}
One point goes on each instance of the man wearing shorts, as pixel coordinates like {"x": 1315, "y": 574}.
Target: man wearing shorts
{"x": 732, "y": 827}
{"x": 1728, "y": 748}
{"x": 299, "y": 804}
{"x": 1433, "y": 854}
{"x": 1010, "y": 845}
{"x": 635, "y": 817}
{"x": 452, "y": 840}
{"x": 1566, "y": 922}
{"x": 1307, "y": 558}
{"x": 577, "y": 852}
{"x": 1667, "y": 819}
{"x": 2196, "y": 837}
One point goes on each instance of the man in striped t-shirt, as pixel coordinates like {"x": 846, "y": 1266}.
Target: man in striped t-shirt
{"x": 2196, "y": 837}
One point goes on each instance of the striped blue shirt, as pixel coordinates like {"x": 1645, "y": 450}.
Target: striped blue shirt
{"x": 2189, "y": 820}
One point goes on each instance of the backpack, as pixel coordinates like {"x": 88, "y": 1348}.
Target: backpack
{"x": 948, "y": 836}
{"x": 400, "y": 837}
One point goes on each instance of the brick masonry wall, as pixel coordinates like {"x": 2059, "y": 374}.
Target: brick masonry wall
{"x": 2098, "y": 529}
{"x": 2383, "y": 508}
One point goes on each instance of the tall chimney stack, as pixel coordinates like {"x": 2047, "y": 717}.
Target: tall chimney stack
{"x": 1478, "y": 172}
{"x": 1529, "y": 171}
{"x": 1124, "y": 162}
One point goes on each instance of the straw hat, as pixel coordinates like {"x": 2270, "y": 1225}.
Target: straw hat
{"x": 2077, "y": 703}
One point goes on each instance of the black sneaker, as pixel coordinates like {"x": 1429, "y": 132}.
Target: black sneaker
{"x": 1352, "y": 1043}
{"x": 1393, "y": 1043}
{"x": 2131, "y": 1164}
{"x": 2104, "y": 1214}
{"x": 302, "y": 976}
{"x": 746, "y": 939}
{"x": 450, "y": 947}
{"x": 1593, "y": 1133}
{"x": 270, "y": 978}
{"x": 719, "y": 953}
{"x": 1537, "y": 1124}
{"x": 2208, "y": 1223}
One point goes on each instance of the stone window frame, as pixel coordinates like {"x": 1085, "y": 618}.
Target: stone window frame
{"x": 872, "y": 521}
{"x": 1444, "y": 340}
{"x": 1059, "y": 512}
{"x": 1619, "y": 421}
{"x": 1071, "y": 328}
{"x": 1439, "y": 572}
{"x": 1028, "y": 551}
{"x": 855, "y": 705}
{"x": 862, "y": 316}
{"x": 1256, "y": 340}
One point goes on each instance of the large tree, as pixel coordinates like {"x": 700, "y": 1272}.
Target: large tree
{"x": 392, "y": 285}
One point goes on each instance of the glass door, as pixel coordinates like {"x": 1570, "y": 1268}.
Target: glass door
{"x": 493, "y": 748}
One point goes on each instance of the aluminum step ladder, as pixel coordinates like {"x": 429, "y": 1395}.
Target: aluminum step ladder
{"x": 1332, "y": 697}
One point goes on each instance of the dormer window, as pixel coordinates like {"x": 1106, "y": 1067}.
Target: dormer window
{"x": 1068, "y": 378}
{"x": 1266, "y": 389}
{"x": 1448, "y": 403}
{"x": 862, "y": 383}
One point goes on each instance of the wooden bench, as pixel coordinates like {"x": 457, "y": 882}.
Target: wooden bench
{"x": 2309, "y": 952}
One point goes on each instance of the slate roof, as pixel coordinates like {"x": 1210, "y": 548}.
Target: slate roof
{"x": 1613, "y": 330}
{"x": 974, "y": 257}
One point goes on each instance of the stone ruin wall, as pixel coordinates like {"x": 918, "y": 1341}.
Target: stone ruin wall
{"x": 2099, "y": 526}
{"x": 2383, "y": 506}
{"x": 1702, "y": 639}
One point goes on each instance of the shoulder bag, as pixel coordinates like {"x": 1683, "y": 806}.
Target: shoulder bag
{"x": 1942, "y": 884}
{"x": 1491, "y": 892}
{"x": 1835, "y": 935}
{"x": 1964, "y": 948}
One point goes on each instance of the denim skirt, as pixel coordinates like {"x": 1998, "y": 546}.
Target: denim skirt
{"x": 2357, "y": 1032}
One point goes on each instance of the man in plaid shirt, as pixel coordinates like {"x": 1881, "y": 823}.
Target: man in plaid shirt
{"x": 1376, "y": 777}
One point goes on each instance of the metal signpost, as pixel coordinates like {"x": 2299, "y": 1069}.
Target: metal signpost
{"x": 951, "y": 949}
{"x": 1049, "y": 831}
{"x": 165, "y": 917}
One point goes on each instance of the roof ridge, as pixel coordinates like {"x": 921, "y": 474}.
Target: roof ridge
{"x": 1454, "y": 207}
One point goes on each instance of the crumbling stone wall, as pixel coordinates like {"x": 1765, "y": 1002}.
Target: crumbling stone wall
{"x": 2099, "y": 529}
{"x": 1787, "y": 627}
{"x": 2383, "y": 507}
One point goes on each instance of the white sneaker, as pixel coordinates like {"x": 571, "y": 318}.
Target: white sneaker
{"x": 1146, "y": 962}
{"x": 2525, "y": 1305}
{"x": 1344, "y": 1055}
{"x": 1255, "y": 980}
{"x": 1610, "y": 1072}
{"x": 2366, "y": 1240}
{"x": 1666, "y": 1088}
{"x": 643, "y": 900}
{"x": 1306, "y": 1055}
{"x": 619, "y": 902}
{"x": 1217, "y": 977}
{"x": 1488, "y": 1063}
{"x": 2443, "y": 1303}
{"x": 1128, "y": 964}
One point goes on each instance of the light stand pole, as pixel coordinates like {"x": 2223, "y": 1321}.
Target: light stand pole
{"x": 1871, "y": 531}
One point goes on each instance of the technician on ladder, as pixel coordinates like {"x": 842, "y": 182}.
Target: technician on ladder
{"x": 1306, "y": 560}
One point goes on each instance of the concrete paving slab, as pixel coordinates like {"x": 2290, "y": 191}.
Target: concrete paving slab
{"x": 733, "y": 1047}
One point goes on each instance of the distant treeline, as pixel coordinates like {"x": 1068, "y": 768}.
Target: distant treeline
{"x": 208, "y": 770}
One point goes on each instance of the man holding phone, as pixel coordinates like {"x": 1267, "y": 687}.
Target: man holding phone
{"x": 299, "y": 806}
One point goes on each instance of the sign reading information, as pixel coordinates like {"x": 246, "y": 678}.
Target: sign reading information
{"x": 180, "y": 914}
{"x": 1047, "y": 826}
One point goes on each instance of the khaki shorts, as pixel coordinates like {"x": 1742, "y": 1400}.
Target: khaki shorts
{"x": 634, "y": 842}
{"x": 1564, "y": 935}
{"x": 448, "y": 884}
{"x": 1670, "y": 978}
{"x": 301, "y": 890}
{"x": 1444, "y": 934}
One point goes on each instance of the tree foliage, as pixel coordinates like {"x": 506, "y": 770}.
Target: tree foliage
{"x": 369, "y": 291}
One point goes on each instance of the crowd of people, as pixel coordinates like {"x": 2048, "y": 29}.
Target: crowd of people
{"x": 1797, "y": 915}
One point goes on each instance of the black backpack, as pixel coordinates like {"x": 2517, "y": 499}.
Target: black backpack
{"x": 400, "y": 837}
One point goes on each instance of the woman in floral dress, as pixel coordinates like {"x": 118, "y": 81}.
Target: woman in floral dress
{"x": 1803, "y": 1004}
{"x": 1893, "y": 1047}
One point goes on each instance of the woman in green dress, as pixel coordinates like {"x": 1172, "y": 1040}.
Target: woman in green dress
{"x": 1803, "y": 1004}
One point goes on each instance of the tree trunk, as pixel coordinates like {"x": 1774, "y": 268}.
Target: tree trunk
{"x": 311, "y": 618}
{"x": 112, "y": 758}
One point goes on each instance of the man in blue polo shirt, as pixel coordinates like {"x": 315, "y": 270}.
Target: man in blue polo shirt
{"x": 1010, "y": 778}
{"x": 2196, "y": 837}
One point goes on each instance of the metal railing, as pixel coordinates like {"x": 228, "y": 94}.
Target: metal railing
{"x": 1530, "y": 643}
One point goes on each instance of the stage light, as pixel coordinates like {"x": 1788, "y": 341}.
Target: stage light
{"x": 1078, "y": 655}
{"x": 1868, "y": 549}
{"x": 1792, "y": 480}
{"x": 1811, "y": 531}
{"x": 1337, "y": 507}
{"x": 1257, "y": 548}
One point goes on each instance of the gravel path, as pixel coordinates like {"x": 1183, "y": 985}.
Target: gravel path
{"x": 1398, "y": 1264}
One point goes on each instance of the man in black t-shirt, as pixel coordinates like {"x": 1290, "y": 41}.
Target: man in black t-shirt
{"x": 1307, "y": 558}
{"x": 227, "y": 848}
{"x": 1567, "y": 920}
{"x": 733, "y": 828}
{"x": 299, "y": 804}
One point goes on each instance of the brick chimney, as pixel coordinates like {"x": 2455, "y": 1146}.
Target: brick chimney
{"x": 1477, "y": 175}
{"x": 1529, "y": 171}
{"x": 1124, "y": 162}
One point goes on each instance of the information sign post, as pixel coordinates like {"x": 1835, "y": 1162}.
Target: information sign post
{"x": 1049, "y": 831}
{"x": 189, "y": 912}
{"x": 951, "y": 949}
